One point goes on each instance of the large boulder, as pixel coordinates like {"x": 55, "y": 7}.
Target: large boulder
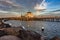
{"x": 29, "y": 35}
{"x": 9, "y": 37}
{"x": 2, "y": 33}
{"x": 10, "y": 31}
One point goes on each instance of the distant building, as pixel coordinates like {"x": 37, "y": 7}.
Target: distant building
{"x": 29, "y": 14}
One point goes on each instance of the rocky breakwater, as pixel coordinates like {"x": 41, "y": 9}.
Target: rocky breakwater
{"x": 22, "y": 34}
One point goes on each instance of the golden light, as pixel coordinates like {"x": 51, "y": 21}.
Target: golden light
{"x": 29, "y": 14}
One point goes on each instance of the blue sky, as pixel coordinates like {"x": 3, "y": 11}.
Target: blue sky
{"x": 40, "y": 7}
{"x": 53, "y": 4}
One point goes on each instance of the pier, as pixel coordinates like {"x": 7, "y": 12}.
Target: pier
{"x": 52, "y": 19}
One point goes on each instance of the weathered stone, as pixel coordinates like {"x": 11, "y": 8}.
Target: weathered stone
{"x": 9, "y": 37}
{"x": 55, "y": 38}
{"x": 29, "y": 35}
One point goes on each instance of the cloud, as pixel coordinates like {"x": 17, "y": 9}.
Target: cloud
{"x": 8, "y": 2}
{"x": 56, "y": 10}
{"x": 22, "y": 5}
{"x": 3, "y": 11}
{"x": 9, "y": 5}
{"x": 9, "y": 14}
{"x": 41, "y": 6}
{"x": 17, "y": 5}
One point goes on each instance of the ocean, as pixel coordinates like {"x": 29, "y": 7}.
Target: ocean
{"x": 51, "y": 29}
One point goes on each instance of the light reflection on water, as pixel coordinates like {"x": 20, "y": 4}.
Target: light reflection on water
{"x": 51, "y": 28}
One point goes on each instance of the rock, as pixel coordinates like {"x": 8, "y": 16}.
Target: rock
{"x": 9, "y": 37}
{"x": 2, "y": 33}
{"x": 55, "y": 38}
{"x": 29, "y": 35}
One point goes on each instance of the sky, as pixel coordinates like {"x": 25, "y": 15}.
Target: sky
{"x": 37, "y": 7}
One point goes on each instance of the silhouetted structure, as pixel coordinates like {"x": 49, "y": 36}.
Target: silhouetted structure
{"x": 29, "y": 15}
